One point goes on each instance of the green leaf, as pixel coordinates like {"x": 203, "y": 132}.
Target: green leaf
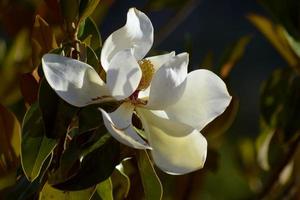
{"x": 56, "y": 113}
{"x": 94, "y": 161}
{"x": 92, "y": 59}
{"x": 23, "y": 190}
{"x": 280, "y": 102}
{"x": 275, "y": 34}
{"x": 87, "y": 7}
{"x": 151, "y": 183}
{"x": 90, "y": 118}
{"x": 10, "y": 147}
{"x": 36, "y": 147}
{"x": 121, "y": 183}
{"x": 50, "y": 193}
{"x": 90, "y": 35}
{"x": 105, "y": 190}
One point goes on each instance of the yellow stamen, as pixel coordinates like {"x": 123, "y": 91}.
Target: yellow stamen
{"x": 147, "y": 73}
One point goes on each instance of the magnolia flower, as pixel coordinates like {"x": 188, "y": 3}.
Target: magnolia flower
{"x": 172, "y": 105}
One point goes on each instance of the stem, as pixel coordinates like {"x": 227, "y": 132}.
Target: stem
{"x": 71, "y": 31}
{"x": 268, "y": 189}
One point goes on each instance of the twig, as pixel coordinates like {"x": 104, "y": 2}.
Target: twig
{"x": 179, "y": 17}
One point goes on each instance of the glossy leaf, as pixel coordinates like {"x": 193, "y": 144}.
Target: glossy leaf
{"x": 92, "y": 59}
{"x": 275, "y": 34}
{"x": 104, "y": 190}
{"x": 90, "y": 35}
{"x": 50, "y": 193}
{"x": 94, "y": 161}
{"x": 10, "y": 147}
{"x": 151, "y": 183}
{"x": 121, "y": 183}
{"x": 57, "y": 114}
{"x": 23, "y": 190}
{"x": 36, "y": 147}
{"x": 90, "y": 118}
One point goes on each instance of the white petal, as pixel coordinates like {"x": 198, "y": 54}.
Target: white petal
{"x": 124, "y": 75}
{"x": 137, "y": 34}
{"x": 176, "y": 147}
{"x": 157, "y": 62}
{"x": 166, "y": 87}
{"x": 204, "y": 98}
{"x": 74, "y": 81}
{"x": 118, "y": 123}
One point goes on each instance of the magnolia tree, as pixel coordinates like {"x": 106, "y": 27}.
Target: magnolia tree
{"x": 109, "y": 121}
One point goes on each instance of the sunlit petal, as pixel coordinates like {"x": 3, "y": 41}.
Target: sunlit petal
{"x": 74, "y": 81}
{"x": 176, "y": 147}
{"x": 158, "y": 61}
{"x": 124, "y": 75}
{"x": 166, "y": 87}
{"x": 136, "y": 34}
{"x": 118, "y": 123}
{"x": 204, "y": 98}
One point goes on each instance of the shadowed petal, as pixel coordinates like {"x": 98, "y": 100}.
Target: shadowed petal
{"x": 74, "y": 81}
{"x": 118, "y": 123}
{"x": 176, "y": 147}
{"x": 124, "y": 75}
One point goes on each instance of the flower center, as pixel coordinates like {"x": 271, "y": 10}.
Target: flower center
{"x": 147, "y": 74}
